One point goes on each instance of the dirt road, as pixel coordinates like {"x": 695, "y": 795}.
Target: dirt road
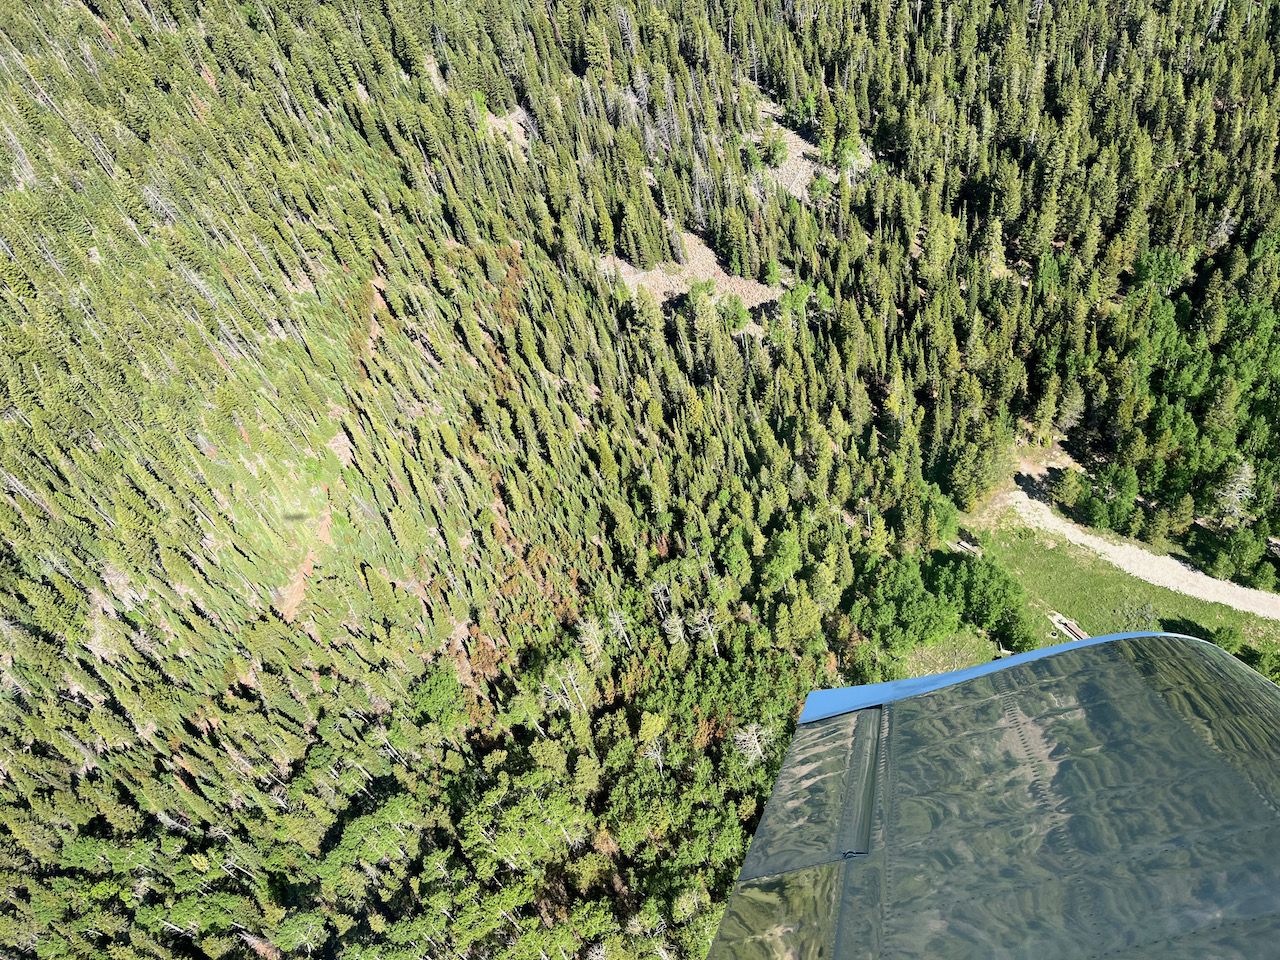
{"x": 1161, "y": 570}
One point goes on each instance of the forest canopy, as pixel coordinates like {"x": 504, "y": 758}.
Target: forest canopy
{"x": 380, "y": 578}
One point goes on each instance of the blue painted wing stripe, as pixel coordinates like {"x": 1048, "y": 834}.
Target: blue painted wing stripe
{"x": 822, "y": 704}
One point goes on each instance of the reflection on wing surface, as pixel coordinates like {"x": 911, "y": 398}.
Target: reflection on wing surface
{"x": 1114, "y": 799}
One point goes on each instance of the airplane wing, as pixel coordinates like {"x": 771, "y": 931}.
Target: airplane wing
{"x": 1116, "y": 798}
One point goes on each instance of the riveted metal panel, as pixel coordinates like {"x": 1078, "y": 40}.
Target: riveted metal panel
{"x": 817, "y": 811}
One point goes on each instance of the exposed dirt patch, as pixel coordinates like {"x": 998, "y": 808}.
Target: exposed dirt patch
{"x": 667, "y": 280}
{"x": 513, "y": 125}
{"x": 342, "y": 448}
{"x": 1036, "y": 462}
{"x": 433, "y": 73}
{"x": 802, "y": 164}
{"x": 324, "y": 530}
{"x": 797, "y": 171}
{"x": 289, "y": 598}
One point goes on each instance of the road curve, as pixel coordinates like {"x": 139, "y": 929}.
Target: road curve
{"x": 1163, "y": 571}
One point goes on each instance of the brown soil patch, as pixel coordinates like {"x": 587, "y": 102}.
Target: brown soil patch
{"x": 667, "y": 280}
{"x": 289, "y": 598}
{"x": 513, "y": 125}
{"x": 797, "y": 171}
{"x": 802, "y": 164}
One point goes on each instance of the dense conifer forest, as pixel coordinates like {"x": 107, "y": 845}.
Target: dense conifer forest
{"x": 381, "y": 579}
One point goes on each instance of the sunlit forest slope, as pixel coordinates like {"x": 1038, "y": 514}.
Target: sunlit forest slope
{"x": 380, "y": 578}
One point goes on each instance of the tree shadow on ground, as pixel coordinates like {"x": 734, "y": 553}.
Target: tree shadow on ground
{"x": 1039, "y": 488}
{"x": 1187, "y": 627}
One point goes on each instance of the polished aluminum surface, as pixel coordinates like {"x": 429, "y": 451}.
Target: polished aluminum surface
{"x": 1119, "y": 800}
{"x": 821, "y": 808}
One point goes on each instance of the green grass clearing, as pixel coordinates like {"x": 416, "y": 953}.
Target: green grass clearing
{"x": 1104, "y": 599}
{"x": 966, "y": 648}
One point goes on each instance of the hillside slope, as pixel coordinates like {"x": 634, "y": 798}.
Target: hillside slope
{"x": 378, "y": 579}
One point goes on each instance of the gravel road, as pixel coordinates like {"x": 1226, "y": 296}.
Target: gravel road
{"x": 1163, "y": 571}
